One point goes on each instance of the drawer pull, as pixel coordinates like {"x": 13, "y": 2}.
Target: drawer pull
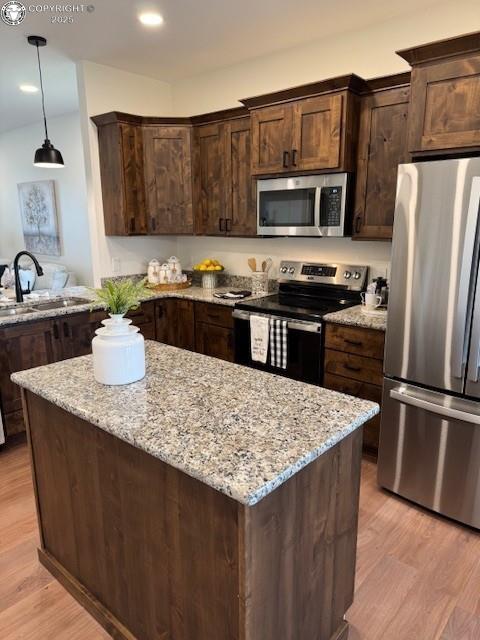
{"x": 350, "y": 367}
{"x": 354, "y": 343}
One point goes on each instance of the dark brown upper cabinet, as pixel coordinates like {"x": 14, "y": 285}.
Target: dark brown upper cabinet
{"x": 224, "y": 191}
{"x": 381, "y": 148}
{"x": 445, "y": 95}
{"x": 121, "y": 168}
{"x": 307, "y": 128}
{"x": 168, "y": 179}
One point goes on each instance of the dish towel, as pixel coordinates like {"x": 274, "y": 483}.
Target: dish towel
{"x": 278, "y": 343}
{"x": 259, "y": 333}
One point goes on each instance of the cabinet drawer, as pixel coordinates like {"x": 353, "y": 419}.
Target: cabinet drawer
{"x": 214, "y": 314}
{"x": 371, "y": 429}
{"x": 364, "y": 342}
{"x": 354, "y": 367}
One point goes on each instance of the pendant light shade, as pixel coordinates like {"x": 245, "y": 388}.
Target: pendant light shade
{"x": 46, "y": 156}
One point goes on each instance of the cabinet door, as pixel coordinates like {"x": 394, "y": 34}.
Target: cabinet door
{"x": 381, "y": 147}
{"x": 165, "y": 321}
{"x": 272, "y": 139}
{"x": 144, "y": 319}
{"x": 208, "y": 178}
{"x": 77, "y": 332}
{"x": 445, "y": 111}
{"x": 120, "y": 149}
{"x": 213, "y": 340}
{"x": 240, "y": 206}
{"x": 168, "y": 177}
{"x": 317, "y": 133}
{"x": 24, "y": 346}
{"x": 185, "y": 324}
{"x": 134, "y": 186}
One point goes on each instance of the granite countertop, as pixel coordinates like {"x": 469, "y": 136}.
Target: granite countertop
{"x": 241, "y": 431}
{"x": 192, "y": 293}
{"x": 355, "y": 317}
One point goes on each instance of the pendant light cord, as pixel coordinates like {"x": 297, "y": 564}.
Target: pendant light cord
{"x": 43, "y": 97}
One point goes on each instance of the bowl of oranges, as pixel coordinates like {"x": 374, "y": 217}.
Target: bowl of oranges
{"x": 209, "y": 268}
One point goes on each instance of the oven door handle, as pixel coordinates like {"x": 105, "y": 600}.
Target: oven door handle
{"x": 296, "y": 325}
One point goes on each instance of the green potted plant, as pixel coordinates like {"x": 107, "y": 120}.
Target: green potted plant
{"x": 118, "y": 348}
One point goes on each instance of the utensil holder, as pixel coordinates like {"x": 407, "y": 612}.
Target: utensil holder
{"x": 259, "y": 282}
{"x": 209, "y": 280}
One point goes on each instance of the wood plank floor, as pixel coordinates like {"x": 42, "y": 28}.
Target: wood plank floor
{"x": 418, "y": 576}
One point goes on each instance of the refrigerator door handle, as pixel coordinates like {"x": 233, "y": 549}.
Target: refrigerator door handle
{"x": 460, "y": 333}
{"x": 402, "y": 395}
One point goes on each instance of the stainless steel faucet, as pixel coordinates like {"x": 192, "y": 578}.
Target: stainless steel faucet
{"x": 18, "y": 286}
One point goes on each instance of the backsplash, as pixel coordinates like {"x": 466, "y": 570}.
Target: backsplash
{"x": 224, "y": 280}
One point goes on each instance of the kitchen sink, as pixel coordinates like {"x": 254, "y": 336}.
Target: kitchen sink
{"x": 15, "y": 311}
{"x": 60, "y": 304}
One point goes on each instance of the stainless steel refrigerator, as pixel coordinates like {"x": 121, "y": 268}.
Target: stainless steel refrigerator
{"x": 430, "y": 430}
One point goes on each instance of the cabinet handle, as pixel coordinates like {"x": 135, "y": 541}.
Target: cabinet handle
{"x": 132, "y": 225}
{"x": 160, "y": 311}
{"x": 350, "y": 367}
{"x": 66, "y": 331}
{"x": 294, "y": 157}
{"x": 355, "y": 343}
{"x": 153, "y": 223}
{"x": 228, "y": 222}
{"x": 55, "y": 331}
{"x": 358, "y": 224}
{"x": 286, "y": 157}
{"x": 220, "y": 224}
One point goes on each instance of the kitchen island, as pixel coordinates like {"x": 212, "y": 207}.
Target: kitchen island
{"x": 207, "y": 501}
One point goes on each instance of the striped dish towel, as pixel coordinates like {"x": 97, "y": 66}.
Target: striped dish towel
{"x": 278, "y": 343}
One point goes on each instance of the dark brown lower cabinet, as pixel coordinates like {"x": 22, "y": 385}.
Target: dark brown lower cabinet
{"x": 354, "y": 365}
{"x": 144, "y": 319}
{"x": 214, "y": 341}
{"x": 175, "y": 324}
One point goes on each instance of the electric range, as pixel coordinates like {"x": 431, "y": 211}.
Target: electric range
{"x": 307, "y": 292}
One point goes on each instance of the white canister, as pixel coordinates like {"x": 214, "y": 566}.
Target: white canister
{"x": 153, "y": 271}
{"x": 175, "y": 265}
{"x": 118, "y": 352}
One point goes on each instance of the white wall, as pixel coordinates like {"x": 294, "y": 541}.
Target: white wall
{"x": 102, "y": 89}
{"x": 368, "y": 52}
{"x": 16, "y": 165}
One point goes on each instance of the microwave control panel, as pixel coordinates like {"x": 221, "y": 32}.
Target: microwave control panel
{"x": 330, "y": 206}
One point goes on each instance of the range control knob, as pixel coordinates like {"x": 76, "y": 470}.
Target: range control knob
{"x": 347, "y": 275}
{"x": 283, "y": 269}
{"x": 291, "y": 270}
{"x": 357, "y": 275}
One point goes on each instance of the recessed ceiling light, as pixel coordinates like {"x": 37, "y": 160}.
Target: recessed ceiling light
{"x": 28, "y": 88}
{"x": 151, "y": 19}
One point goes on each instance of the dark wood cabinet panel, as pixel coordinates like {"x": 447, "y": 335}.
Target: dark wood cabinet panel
{"x": 214, "y": 314}
{"x": 77, "y": 332}
{"x": 353, "y": 366}
{"x": 168, "y": 179}
{"x": 144, "y": 319}
{"x": 371, "y": 429}
{"x": 360, "y": 341}
{"x": 24, "y": 346}
{"x": 208, "y": 180}
{"x": 121, "y": 169}
{"x": 317, "y": 132}
{"x": 240, "y": 205}
{"x": 445, "y": 105}
{"x": 175, "y": 323}
{"x": 381, "y": 148}
{"x": 272, "y": 139}
{"x": 214, "y": 340}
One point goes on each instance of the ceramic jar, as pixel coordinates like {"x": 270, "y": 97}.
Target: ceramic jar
{"x": 118, "y": 352}
{"x": 209, "y": 279}
{"x": 153, "y": 272}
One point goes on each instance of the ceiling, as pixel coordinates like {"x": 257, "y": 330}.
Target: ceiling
{"x": 196, "y": 37}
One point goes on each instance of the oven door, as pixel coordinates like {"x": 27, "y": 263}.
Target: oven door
{"x": 302, "y": 206}
{"x": 304, "y": 349}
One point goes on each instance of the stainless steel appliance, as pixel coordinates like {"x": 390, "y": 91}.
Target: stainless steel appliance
{"x": 315, "y": 205}
{"x": 307, "y": 291}
{"x": 430, "y": 430}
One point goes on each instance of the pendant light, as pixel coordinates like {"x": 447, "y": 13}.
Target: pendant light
{"x": 47, "y": 156}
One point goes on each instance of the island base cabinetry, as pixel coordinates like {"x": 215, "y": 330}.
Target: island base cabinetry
{"x": 153, "y": 553}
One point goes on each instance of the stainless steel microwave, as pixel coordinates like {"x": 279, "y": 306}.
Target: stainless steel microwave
{"x": 314, "y": 205}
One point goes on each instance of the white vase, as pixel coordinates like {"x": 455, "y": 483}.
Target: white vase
{"x": 118, "y": 352}
{"x": 209, "y": 280}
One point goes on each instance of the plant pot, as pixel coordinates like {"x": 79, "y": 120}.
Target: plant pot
{"x": 118, "y": 352}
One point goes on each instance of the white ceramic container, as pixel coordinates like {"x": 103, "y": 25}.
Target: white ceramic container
{"x": 118, "y": 352}
{"x": 209, "y": 279}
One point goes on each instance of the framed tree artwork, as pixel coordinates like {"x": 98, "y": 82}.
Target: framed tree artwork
{"x": 39, "y": 217}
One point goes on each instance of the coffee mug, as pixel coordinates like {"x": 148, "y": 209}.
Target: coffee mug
{"x": 371, "y": 300}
